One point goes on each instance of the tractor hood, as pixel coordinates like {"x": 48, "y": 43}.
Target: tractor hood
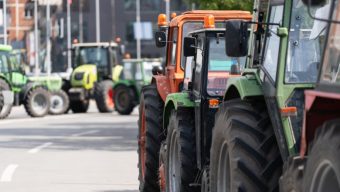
{"x": 52, "y": 83}
{"x": 84, "y": 76}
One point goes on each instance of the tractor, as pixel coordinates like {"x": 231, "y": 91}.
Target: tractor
{"x": 32, "y": 94}
{"x": 93, "y": 65}
{"x": 135, "y": 74}
{"x": 59, "y": 101}
{"x": 166, "y": 80}
{"x": 316, "y": 167}
{"x": 258, "y": 125}
{"x": 189, "y": 114}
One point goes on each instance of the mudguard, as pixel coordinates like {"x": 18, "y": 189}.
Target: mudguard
{"x": 163, "y": 86}
{"x": 175, "y": 101}
{"x": 243, "y": 86}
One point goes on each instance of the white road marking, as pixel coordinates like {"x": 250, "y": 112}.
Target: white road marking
{"x": 8, "y": 173}
{"x": 40, "y": 147}
{"x": 84, "y": 133}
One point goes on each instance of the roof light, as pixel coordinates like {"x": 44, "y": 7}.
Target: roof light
{"x": 209, "y": 21}
{"x": 173, "y": 15}
{"x": 162, "y": 21}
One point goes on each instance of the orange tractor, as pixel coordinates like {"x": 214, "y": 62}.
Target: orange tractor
{"x": 166, "y": 81}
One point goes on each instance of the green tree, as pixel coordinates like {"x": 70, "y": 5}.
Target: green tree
{"x": 224, "y": 4}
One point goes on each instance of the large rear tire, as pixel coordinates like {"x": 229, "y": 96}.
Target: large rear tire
{"x": 181, "y": 169}
{"x": 323, "y": 164}
{"x": 124, "y": 98}
{"x": 103, "y": 94}
{"x": 1, "y": 101}
{"x": 37, "y": 102}
{"x": 6, "y": 109}
{"x": 244, "y": 154}
{"x": 150, "y": 138}
{"x": 80, "y": 106}
{"x": 59, "y": 102}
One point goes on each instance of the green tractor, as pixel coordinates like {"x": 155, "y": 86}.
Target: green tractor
{"x": 135, "y": 74}
{"x": 33, "y": 95}
{"x": 258, "y": 125}
{"x": 93, "y": 65}
{"x": 59, "y": 101}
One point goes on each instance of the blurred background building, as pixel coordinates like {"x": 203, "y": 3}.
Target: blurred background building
{"x": 117, "y": 19}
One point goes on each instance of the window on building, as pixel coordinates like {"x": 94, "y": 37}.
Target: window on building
{"x": 146, "y": 5}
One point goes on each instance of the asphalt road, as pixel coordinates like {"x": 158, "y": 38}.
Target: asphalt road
{"x": 71, "y": 153}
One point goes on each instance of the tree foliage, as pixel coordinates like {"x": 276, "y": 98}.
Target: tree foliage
{"x": 224, "y": 4}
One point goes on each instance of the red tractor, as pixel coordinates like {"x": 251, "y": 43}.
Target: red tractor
{"x": 170, "y": 80}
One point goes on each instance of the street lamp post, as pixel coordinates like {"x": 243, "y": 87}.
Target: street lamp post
{"x": 138, "y": 26}
{"x": 69, "y": 59}
{"x": 5, "y": 21}
{"x": 97, "y": 22}
{"x": 48, "y": 37}
{"x": 36, "y": 41}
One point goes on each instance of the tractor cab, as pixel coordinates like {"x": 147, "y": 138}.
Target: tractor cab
{"x": 101, "y": 57}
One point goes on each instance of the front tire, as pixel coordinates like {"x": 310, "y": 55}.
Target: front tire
{"x": 244, "y": 154}
{"x": 37, "y": 102}
{"x": 124, "y": 98}
{"x": 181, "y": 168}
{"x": 150, "y": 138}
{"x": 59, "y": 102}
{"x": 103, "y": 94}
{"x": 323, "y": 164}
{"x": 6, "y": 109}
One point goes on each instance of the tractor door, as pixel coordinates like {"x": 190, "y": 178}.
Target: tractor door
{"x": 197, "y": 94}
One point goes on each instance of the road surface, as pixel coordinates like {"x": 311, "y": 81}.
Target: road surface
{"x": 71, "y": 153}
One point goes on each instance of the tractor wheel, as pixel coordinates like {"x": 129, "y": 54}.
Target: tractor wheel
{"x": 37, "y": 102}
{"x": 59, "y": 102}
{"x": 291, "y": 179}
{"x": 103, "y": 94}
{"x": 244, "y": 153}
{"x": 124, "y": 98}
{"x": 6, "y": 109}
{"x": 80, "y": 106}
{"x": 323, "y": 164}
{"x": 1, "y": 101}
{"x": 181, "y": 169}
{"x": 150, "y": 138}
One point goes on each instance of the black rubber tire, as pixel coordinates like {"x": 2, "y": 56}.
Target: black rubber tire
{"x": 182, "y": 126}
{"x": 101, "y": 95}
{"x": 324, "y": 151}
{"x": 1, "y": 101}
{"x": 255, "y": 164}
{"x": 129, "y": 98}
{"x": 28, "y": 102}
{"x": 6, "y": 109}
{"x": 80, "y": 106}
{"x": 291, "y": 179}
{"x": 66, "y": 102}
{"x": 152, "y": 104}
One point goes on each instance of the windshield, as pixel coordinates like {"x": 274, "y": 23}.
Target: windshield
{"x": 306, "y": 40}
{"x": 93, "y": 55}
{"x": 331, "y": 69}
{"x": 4, "y": 62}
{"x": 220, "y": 66}
{"x": 16, "y": 61}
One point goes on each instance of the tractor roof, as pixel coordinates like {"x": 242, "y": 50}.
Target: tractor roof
{"x": 219, "y": 16}
{"x": 217, "y": 30}
{"x": 6, "y": 48}
{"x": 94, "y": 44}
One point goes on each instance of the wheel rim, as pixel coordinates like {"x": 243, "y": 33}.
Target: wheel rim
{"x": 57, "y": 104}
{"x": 223, "y": 174}
{"x": 325, "y": 178}
{"x": 174, "y": 164}
{"x": 123, "y": 100}
{"x": 109, "y": 98}
{"x": 39, "y": 104}
{"x": 142, "y": 140}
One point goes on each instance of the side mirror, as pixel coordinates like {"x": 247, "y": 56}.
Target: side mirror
{"x": 236, "y": 38}
{"x": 314, "y": 2}
{"x": 189, "y": 46}
{"x": 157, "y": 70}
{"x": 160, "y": 38}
